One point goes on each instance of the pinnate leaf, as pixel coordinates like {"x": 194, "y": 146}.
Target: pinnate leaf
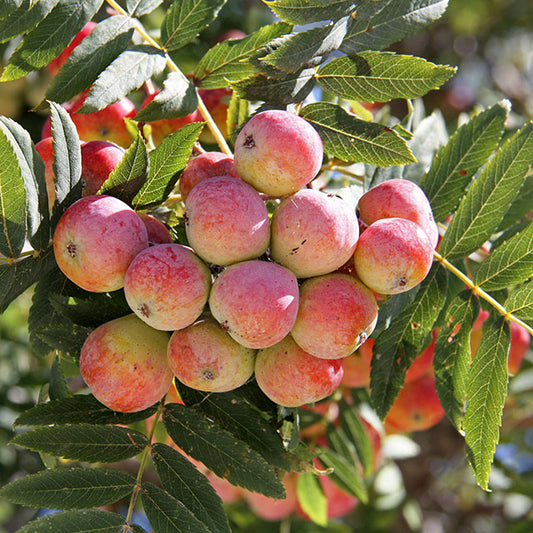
{"x": 138, "y": 8}
{"x": 351, "y": 139}
{"x": 311, "y": 498}
{"x": 308, "y": 11}
{"x": 520, "y": 302}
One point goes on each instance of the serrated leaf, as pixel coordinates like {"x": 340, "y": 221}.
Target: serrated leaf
{"x": 308, "y": 48}
{"x": 238, "y": 113}
{"x": 25, "y": 18}
{"x": 93, "y": 55}
{"x": 489, "y": 196}
{"x": 128, "y": 177}
{"x": 13, "y": 200}
{"x": 77, "y": 409}
{"x": 138, "y": 8}
{"x": 453, "y": 355}
{"x": 345, "y": 475}
{"x": 50, "y": 37}
{"x": 520, "y": 302}
{"x": 190, "y": 487}
{"x": 32, "y": 170}
{"x": 509, "y": 264}
{"x": 521, "y": 206}
{"x": 390, "y": 21}
{"x": 84, "y": 442}
{"x": 486, "y": 390}
{"x": 240, "y": 418}
{"x": 351, "y": 139}
{"x": 311, "y": 498}
{"x": 224, "y": 454}
{"x": 166, "y": 161}
{"x": 381, "y": 76}
{"x": 73, "y": 488}
{"x": 8, "y": 6}
{"x": 308, "y": 11}
{"x": 280, "y": 90}
{"x": 176, "y": 99}
{"x": 65, "y": 337}
{"x": 124, "y": 74}
{"x": 395, "y": 347}
{"x": 467, "y": 150}
{"x": 226, "y": 61}
{"x": 58, "y": 387}
{"x": 86, "y": 521}
{"x": 166, "y": 514}
{"x": 185, "y": 20}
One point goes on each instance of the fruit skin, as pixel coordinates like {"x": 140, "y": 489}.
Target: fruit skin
{"x": 357, "y": 366}
{"x": 158, "y": 233}
{"x": 96, "y": 239}
{"x": 291, "y": 377}
{"x": 217, "y": 102}
{"x": 313, "y": 233}
{"x": 167, "y": 286}
{"x": 256, "y": 302}
{"x": 204, "y": 357}
{"x": 423, "y": 362}
{"x": 226, "y": 221}
{"x": 393, "y": 255}
{"x": 336, "y": 314}
{"x": 45, "y": 149}
{"x": 98, "y": 160}
{"x": 203, "y": 166}
{"x": 124, "y": 364}
{"x": 398, "y": 198}
{"x": 278, "y": 152}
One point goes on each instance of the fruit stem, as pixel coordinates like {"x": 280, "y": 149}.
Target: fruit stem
{"x": 480, "y": 292}
{"x": 211, "y": 124}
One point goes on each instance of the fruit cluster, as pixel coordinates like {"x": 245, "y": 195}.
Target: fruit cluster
{"x": 283, "y": 294}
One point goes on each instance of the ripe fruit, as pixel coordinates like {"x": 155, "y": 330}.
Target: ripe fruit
{"x": 167, "y": 286}
{"x": 278, "y": 152}
{"x": 226, "y": 221}
{"x": 357, "y": 366}
{"x": 291, "y": 377}
{"x": 124, "y": 364}
{"x": 255, "y": 302}
{"x": 398, "y": 198}
{"x": 422, "y": 363}
{"x": 96, "y": 239}
{"x": 98, "y": 160}
{"x": 336, "y": 314}
{"x": 204, "y": 357}
{"x": 203, "y": 166}
{"x": 158, "y": 233}
{"x": 217, "y": 102}
{"x": 45, "y": 149}
{"x": 313, "y": 233}
{"x": 393, "y": 255}
{"x": 520, "y": 341}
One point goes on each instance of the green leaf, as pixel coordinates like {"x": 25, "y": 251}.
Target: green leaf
{"x": 93, "y": 55}
{"x": 138, "y": 8}
{"x": 240, "y": 418}
{"x": 13, "y": 200}
{"x": 345, "y": 475}
{"x": 381, "y": 76}
{"x": 84, "y": 442}
{"x": 77, "y": 409}
{"x": 509, "y": 264}
{"x": 308, "y": 11}
{"x": 86, "y": 521}
{"x": 280, "y": 90}
{"x": 308, "y": 48}
{"x": 8, "y": 6}
{"x": 351, "y": 139}
{"x": 387, "y": 22}
{"x": 166, "y": 161}
{"x": 51, "y": 36}
{"x": 311, "y": 498}
{"x": 521, "y": 206}
{"x": 226, "y": 62}
{"x": 190, "y": 487}
{"x": 176, "y": 99}
{"x": 128, "y": 177}
{"x": 489, "y": 196}
{"x": 25, "y": 18}
{"x": 224, "y": 454}
{"x": 453, "y": 355}
{"x": 238, "y": 113}
{"x": 168, "y": 515}
{"x": 520, "y": 302}
{"x": 32, "y": 170}
{"x": 72, "y": 488}
{"x": 396, "y": 347}
{"x": 58, "y": 387}
{"x": 486, "y": 390}
{"x": 186, "y": 19}
{"x": 467, "y": 150}
{"x": 124, "y": 74}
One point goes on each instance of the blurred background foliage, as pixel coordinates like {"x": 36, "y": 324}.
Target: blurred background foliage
{"x": 425, "y": 484}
